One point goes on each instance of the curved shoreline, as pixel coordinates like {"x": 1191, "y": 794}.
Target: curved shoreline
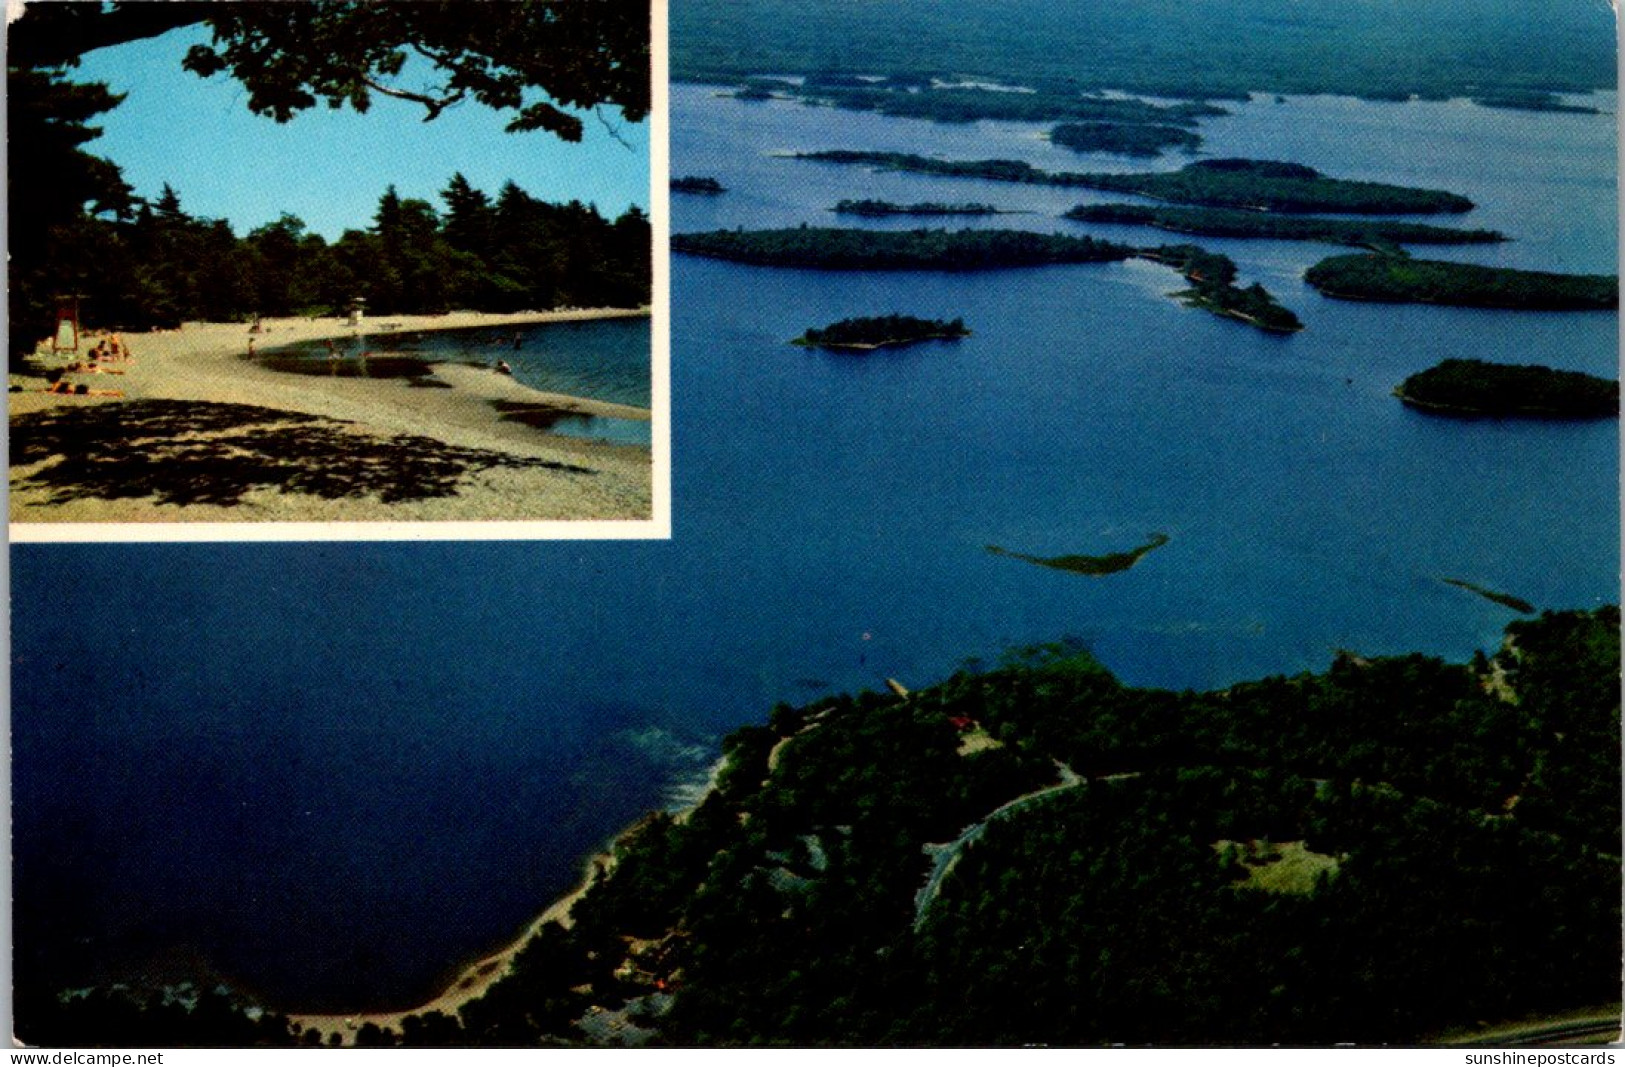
{"x": 205, "y": 364}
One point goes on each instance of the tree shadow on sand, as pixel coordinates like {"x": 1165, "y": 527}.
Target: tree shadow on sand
{"x": 183, "y": 452}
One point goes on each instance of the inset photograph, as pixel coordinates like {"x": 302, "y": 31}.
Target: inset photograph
{"x": 276, "y": 265}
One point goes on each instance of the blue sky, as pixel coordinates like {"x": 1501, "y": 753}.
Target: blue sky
{"x": 329, "y": 167}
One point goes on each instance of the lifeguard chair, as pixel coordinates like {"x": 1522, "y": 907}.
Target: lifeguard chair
{"x": 65, "y": 337}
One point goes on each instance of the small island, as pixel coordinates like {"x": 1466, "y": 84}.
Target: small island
{"x": 1472, "y": 387}
{"x": 883, "y": 208}
{"x": 1250, "y": 184}
{"x": 831, "y": 248}
{"x": 882, "y": 331}
{"x": 1399, "y": 279}
{"x": 1506, "y": 600}
{"x": 1375, "y": 234}
{"x": 1213, "y": 288}
{"x": 1111, "y": 563}
{"x": 1124, "y": 138}
{"x": 703, "y": 186}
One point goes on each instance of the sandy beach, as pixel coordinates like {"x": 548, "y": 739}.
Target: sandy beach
{"x": 202, "y": 434}
{"x": 474, "y": 980}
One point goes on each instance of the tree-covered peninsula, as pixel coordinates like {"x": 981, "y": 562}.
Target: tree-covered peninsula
{"x": 1250, "y": 184}
{"x": 1039, "y": 854}
{"x": 883, "y": 208}
{"x": 882, "y": 331}
{"x": 1376, "y": 234}
{"x": 1124, "y": 138}
{"x": 1398, "y": 279}
{"x": 1474, "y": 387}
{"x": 830, "y": 248}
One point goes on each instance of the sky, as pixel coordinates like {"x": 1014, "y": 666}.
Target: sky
{"x": 330, "y": 167}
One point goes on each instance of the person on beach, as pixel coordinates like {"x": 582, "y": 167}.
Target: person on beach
{"x": 503, "y": 368}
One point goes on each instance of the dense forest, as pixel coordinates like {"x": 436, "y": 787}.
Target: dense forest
{"x": 1398, "y": 279}
{"x": 1256, "y": 185}
{"x": 160, "y": 266}
{"x": 1380, "y": 234}
{"x": 1124, "y": 139}
{"x": 1474, "y": 387}
{"x": 882, "y": 331}
{"x": 1216, "y": 49}
{"x": 1038, "y": 854}
{"x": 827, "y": 248}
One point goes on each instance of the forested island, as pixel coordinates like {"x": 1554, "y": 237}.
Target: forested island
{"x": 1212, "y": 276}
{"x": 1213, "y": 288}
{"x": 1124, "y": 139}
{"x": 691, "y": 184}
{"x": 923, "y": 98}
{"x": 1039, "y": 854}
{"x": 883, "y": 208}
{"x": 1398, "y": 279}
{"x": 1375, "y": 234}
{"x": 1474, "y": 387}
{"x": 828, "y": 248}
{"x": 882, "y": 331}
{"x": 1267, "y": 185}
{"x": 1252, "y": 184}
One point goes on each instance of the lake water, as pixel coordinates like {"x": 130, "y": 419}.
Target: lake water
{"x": 602, "y": 359}
{"x": 334, "y": 772}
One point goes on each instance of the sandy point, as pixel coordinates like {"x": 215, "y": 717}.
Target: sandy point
{"x": 291, "y": 440}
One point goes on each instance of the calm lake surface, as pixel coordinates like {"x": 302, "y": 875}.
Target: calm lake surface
{"x": 333, "y": 773}
{"x": 602, "y": 359}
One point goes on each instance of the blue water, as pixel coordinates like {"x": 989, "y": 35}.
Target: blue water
{"x": 602, "y": 359}
{"x": 337, "y": 771}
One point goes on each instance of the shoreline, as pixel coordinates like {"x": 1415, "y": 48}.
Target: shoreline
{"x": 473, "y": 980}
{"x": 200, "y": 374}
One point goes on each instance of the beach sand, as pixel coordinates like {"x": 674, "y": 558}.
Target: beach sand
{"x": 474, "y": 980}
{"x": 202, "y": 434}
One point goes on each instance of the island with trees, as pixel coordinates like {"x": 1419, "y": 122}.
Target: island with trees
{"x": 924, "y": 98}
{"x": 1533, "y": 100}
{"x": 884, "y": 208}
{"x": 1124, "y": 138}
{"x": 882, "y": 331}
{"x": 1473, "y": 387}
{"x": 1212, "y": 276}
{"x": 1213, "y": 288}
{"x": 693, "y": 184}
{"x": 1374, "y": 234}
{"x": 829, "y": 248}
{"x": 1250, "y": 184}
{"x": 1036, "y": 853}
{"x": 1399, "y": 279}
